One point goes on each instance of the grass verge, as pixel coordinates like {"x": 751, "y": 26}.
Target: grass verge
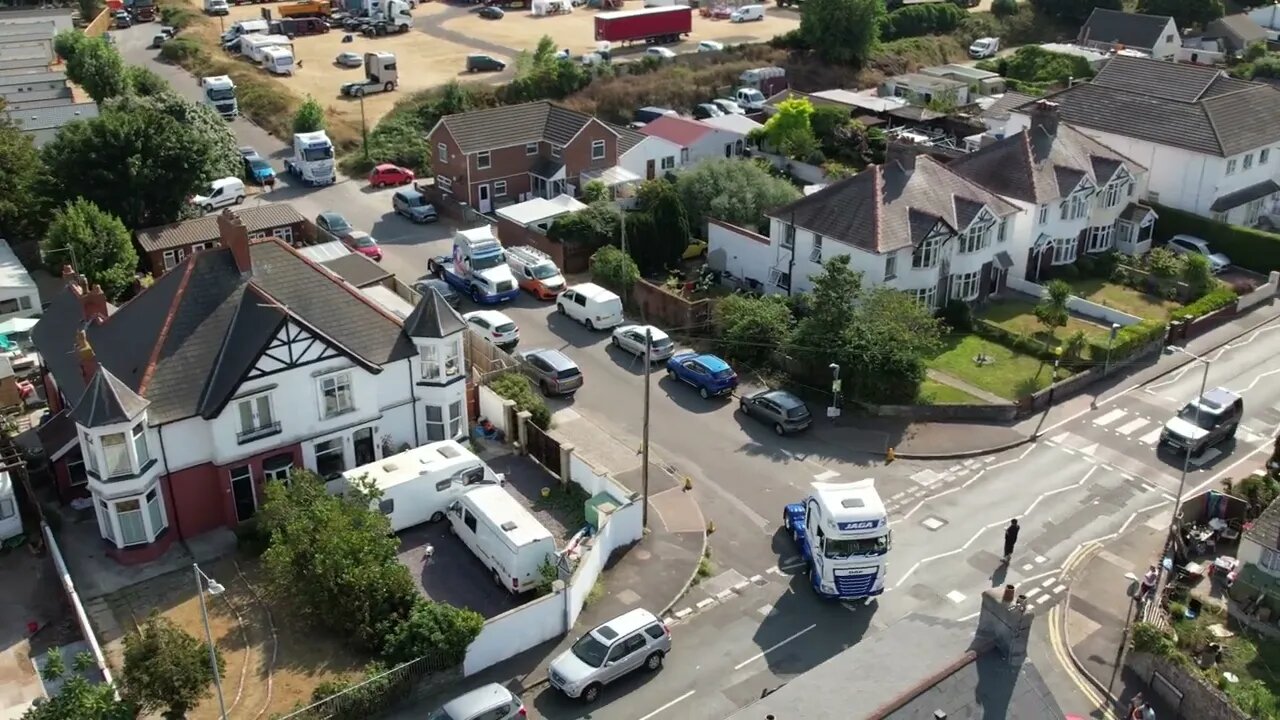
{"x": 1019, "y": 318}
{"x": 1007, "y": 373}
{"x": 933, "y": 392}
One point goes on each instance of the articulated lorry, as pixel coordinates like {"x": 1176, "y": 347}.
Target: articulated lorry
{"x": 651, "y": 25}
{"x": 312, "y": 159}
{"x": 380, "y": 75}
{"x": 219, "y": 93}
{"x": 478, "y": 267}
{"x": 842, "y": 531}
{"x": 374, "y": 18}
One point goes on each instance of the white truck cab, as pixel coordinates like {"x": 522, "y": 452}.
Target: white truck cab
{"x": 312, "y": 160}
{"x": 219, "y": 93}
{"x": 842, "y": 531}
{"x": 478, "y": 267}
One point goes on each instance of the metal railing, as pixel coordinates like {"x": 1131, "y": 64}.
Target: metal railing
{"x": 257, "y": 433}
{"x": 374, "y": 695}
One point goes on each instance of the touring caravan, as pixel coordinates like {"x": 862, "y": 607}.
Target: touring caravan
{"x": 10, "y": 519}
{"x": 418, "y": 485}
{"x": 506, "y": 537}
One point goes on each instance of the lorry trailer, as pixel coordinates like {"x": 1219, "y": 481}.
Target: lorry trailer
{"x": 649, "y": 25}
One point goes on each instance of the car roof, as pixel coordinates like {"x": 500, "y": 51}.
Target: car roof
{"x": 555, "y": 358}
{"x": 712, "y": 362}
{"x": 356, "y": 234}
{"x": 331, "y": 215}
{"x": 1190, "y": 238}
{"x": 225, "y": 181}
{"x": 624, "y": 624}
{"x": 654, "y": 333}
{"x": 386, "y": 166}
{"x": 593, "y": 291}
{"x": 493, "y": 316}
{"x": 477, "y": 701}
{"x": 1218, "y": 399}
{"x": 443, "y": 286}
{"x": 783, "y": 398}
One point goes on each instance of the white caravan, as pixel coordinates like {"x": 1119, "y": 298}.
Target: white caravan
{"x": 277, "y": 60}
{"x": 842, "y": 531}
{"x": 418, "y": 485}
{"x": 10, "y": 518}
{"x": 506, "y": 537}
{"x": 253, "y": 46}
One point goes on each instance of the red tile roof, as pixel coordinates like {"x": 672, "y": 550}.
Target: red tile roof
{"x": 681, "y": 131}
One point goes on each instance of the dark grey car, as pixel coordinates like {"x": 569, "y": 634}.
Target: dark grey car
{"x": 553, "y": 371}
{"x": 784, "y": 411}
{"x": 414, "y": 205}
{"x": 446, "y": 290}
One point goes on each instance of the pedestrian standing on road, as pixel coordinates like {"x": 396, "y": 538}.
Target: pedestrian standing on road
{"x": 1148, "y": 583}
{"x": 1011, "y": 538}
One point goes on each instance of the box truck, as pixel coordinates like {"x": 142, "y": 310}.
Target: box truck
{"x": 420, "y": 484}
{"x": 505, "y": 536}
{"x": 649, "y": 25}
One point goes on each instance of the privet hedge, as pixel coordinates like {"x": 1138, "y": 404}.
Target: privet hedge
{"x": 1255, "y": 250}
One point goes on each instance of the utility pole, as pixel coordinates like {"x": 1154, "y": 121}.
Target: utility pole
{"x": 644, "y": 441}
{"x": 364, "y": 129}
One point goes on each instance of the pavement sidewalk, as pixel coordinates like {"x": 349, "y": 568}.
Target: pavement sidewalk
{"x": 945, "y": 440}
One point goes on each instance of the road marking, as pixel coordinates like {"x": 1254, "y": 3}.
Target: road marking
{"x": 825, "y": 476}
{"x": 1043, "y": 599}
{"x": 759, "y": 655}
{"x": 1060, "y": 588}
{"x": 1041, "y": 558}
{"x": 967, "y": 618}
{"x": 1148, "y": 487}
{"x": 1255, "y": 381}
{"x": 704, "y": 604}
{"x": 668, "y": 705}
{"x": 1031, "y": 593}
{"x": 1089, "y": 449}
{"x": 1110, "y": 417}
{"x": 1027, "y": 567}
{"x": 765, "y": 609}
{"x": 955, "y": 596}
{"x": 1216, "y": 478}
{"x": 1047, "y": 582}
{"x": 1129, "y": 427}
{"x": 1059, "y": 438}
{"x": 1151, "y": 437}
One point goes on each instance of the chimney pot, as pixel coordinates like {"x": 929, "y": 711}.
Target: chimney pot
{"x": 1044, "y": 116}
{"x": 232, "y": 233}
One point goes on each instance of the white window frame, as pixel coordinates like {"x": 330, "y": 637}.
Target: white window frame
{"x": 255, "y": 403}
{"x": 280, "y": 474}
{"x": 1079, "y": 204}
{"x": 484, "y": 160}
{"x": 1218, "y": 216}
{"x": 1270, "y": 561}
{"x": 8, "y": 507}
{"x": 1264, "y": 155}
{"x": 815, "y": 253}
{"x": 338, "y": 380}
{"x": 1065, "y": 250}
{"x": 71, "y": 476}
{"x": 1002, "y": 230}
{"x": 1101, "y": 238}
{"x": 284, "y": 233}
{"x": 974, "y": 238}
{"x": 776, "y": 278}
{"x": 435, "y": 425}
{"x": 1111, "y": 197}
{"x": 1044, "y": 214}
{"x": 456, "y": 412}
{"x": 928, "y": 254}
{"x": 499, "y": 188}
{"x": 556, "y": 151}
{"x": 442, "y": 152}
{"x": 452, "y": 358}
{"x": 1231, "y": 166}
{"x": 140, "y": 445}
{"x": 114, "y": 470}
{"x": 1248, "y": 161}
{"x": 684, "y": 155}
{"x": 890, "y": 266}
{"x": 428, "y": 362}
{"x": 173, "y": 257}
{"x": 668, "y": 162}
{"x": 925, "y": 296}
{"x": 89, "y": 451}
{"x": 788, "y": 241}
{"x": 966, "y": 286}
{"x": 597, "y": 145}
{"x": 200, "y": 246}
{"x": 531, "y": 148}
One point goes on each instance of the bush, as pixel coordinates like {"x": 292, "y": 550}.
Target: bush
{"x": 399, "y": 140}
{"x": 519, "y": 389}
{"x": 180, "y": 50}
{"x": 614, "y": 269}
{"x": 957, "y": 315}
{"x": 251, "y": 539}
{"x": 1129, "y": 340}
{"x": 309, "y": 117}
{"x": 1022, "y": 343}
{"x": 1148, "y": 638}
{"x": 177, "y": 16}
{"x": 436, "y": 629}
{"x": 1004, "y": 8}
{"x": 1034, "y": 64}
{"x": 1216, "y": 299}
{"x": 916, "y": 20}
{"x": 1255, "y": 250}
{"x": 751, "y": 329}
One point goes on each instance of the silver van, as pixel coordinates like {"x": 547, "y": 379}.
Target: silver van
{"x": 623, "y": 645}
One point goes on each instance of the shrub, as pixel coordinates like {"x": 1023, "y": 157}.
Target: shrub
{"x": 1216, "y": 299}
{"x": 1197, "y": 275}
{"x": 251, "y": 539}
{"x": 957, "y": 315}
{"x": 180, "y": 50}
{"x": 614, "y": 269}
{"x": 1129, "y": 340}
{"x": 1148, "y": 638}
{"x": 398, "y": 139}
{"x": 1255, "y": 250}
{"x": 435, "y": 629}
{"x": 1004, "y": 8}
{"x": 916, "y": 20}
{"x": 751, "y": 329}
{"x": 309, "y": 117}
{"x": 519, "y": 389}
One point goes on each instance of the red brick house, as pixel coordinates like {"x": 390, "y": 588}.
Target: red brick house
{"x": 167, "y": 245}
{"x": 492, "y": 157}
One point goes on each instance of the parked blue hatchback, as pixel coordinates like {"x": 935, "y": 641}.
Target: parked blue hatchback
{"x": 708, "y": 373}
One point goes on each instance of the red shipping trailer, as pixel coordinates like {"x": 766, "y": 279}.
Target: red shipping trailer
{"x": 650, "y": 25}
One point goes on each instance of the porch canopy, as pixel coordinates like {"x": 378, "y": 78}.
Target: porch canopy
{"x": 611, "y": 177}
{"x": 1139, "y": 214}
{"x": 1244, "y": 195}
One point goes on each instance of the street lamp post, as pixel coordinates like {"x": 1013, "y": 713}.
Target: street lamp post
{"x": 1186, "y": 463}
{"x": 215, "y": 588}
{"x": 644, "y": 446}
{"x": 833, "y": 412}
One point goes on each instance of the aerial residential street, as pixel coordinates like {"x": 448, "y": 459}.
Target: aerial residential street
{"x": 1087, "y": 479}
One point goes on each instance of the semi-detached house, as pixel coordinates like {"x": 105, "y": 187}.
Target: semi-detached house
{"x": 243, "y": 362}
{"x": 1209, "y": 140}
{"x": 496, "y": 156}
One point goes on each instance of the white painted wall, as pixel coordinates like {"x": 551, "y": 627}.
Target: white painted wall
{"x": 712, "y": 145}
{"x": 492, "y": 408}
{"x": 624, "y": 527}
{"x": 636, "y": 159}
{"x": 738, "y": 254}
{"x": 1249, "y": 552}
{"x": 1101, "y": 313}
{"x": 1166, "y": 48}
{"x": 515, "y": 631}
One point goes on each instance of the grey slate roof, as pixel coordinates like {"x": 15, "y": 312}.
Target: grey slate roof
{"x": 52, "y": 116}
{"x": 627, "y": 138}
{"x": 56, "y": 434}
{"x": 509, "y": 125}
{"x": 185, "y": 342}
{"x": 1039, "y": 164}
{"x": 259, "y": 218}
{"x": 39, "y": 78}
{"x": 357, "y": 270}
{"x": 1132, "y": 30}
{"x": 1244, "y": 195}
{"x": 889, "y": 207}
{"x": 1265, "y": 530}
{"x": 986, "y": 688}
{"x": 1010, "y": 100}
{"x": 1188, "y": 106}
{"x": 433, "y": 318}
{"x": 107, "y": 401}
{"x": 1239, "y": 30}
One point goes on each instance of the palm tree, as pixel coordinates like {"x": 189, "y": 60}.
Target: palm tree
{"x": 1052, "y": 309}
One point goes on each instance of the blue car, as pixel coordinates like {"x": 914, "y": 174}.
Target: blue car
{"x": 256, "y": 168}
{"x": 708, "y": 373}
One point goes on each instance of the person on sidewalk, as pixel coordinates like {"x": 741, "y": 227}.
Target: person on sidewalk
{"x": 1148, "y": 583}
{"x": 1011, "y": 538}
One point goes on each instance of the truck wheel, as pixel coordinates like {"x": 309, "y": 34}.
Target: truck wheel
{"x": 358, "y": 92}
{"x": 389, "y": 87}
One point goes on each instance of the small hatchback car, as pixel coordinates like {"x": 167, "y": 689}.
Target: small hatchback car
{"x": 779, "y": 408}
{"x": 623, "y": 645}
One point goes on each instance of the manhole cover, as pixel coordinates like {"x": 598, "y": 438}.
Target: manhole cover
{"x": 933, "y": 522}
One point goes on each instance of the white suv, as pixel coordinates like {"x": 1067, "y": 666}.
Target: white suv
{"x": 623, "y": 645}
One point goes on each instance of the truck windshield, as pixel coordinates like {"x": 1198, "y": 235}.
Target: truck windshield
{"x": 836, "y": 549}
{"x": 545, "y": 272}
{"x": 487, "y": 261}
{"x": 216, "y": 95}
{"x": 313, "y": 154}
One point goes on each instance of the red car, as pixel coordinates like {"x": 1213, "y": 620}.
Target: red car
{"x": 363, "y": 243}
{"x": 387, "y": 174}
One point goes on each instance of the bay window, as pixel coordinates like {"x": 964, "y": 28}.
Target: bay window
{"x": 1064, "y": 250}
{"x": 440, "y": 362}
{"x": 455, "y": 419}
{"x": 133, "y": 528}
{"x": 134, "y": 520}
{"x": 428, "y": 362}
{"x": 115, "y": 453}
{"x": 277, "y": 467}
{"x": 1100, "y": 238}
{"x": 140, "y": 449}
{"x": 435, "y": 423}
{"x": 964, "y": 286}
{"x": 452, "y": 358}
{"x": 925, "y": 296}
{"x": 104, "y": 521}
{"x": 974, "y": 239}
{"x": 90, "y": 453}
{"x": 1112, "y": 196}
{"x": 928, "y": 253}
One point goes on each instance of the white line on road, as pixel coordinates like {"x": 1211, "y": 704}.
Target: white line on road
{"x": 1214, "y": 480}
{"x": 1131, "y": 426}
{"x": 759, "y": 655}
{"x": 1255, "y": 381}
{"x": 1110, "y": 417}
{"x": 1151, "y": 437}
{"x": 967, "y": 483}
{"x": 668, "y": 705}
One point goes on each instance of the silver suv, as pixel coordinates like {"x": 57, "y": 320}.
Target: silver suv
{"x": 553, "y": 371}
{"x": 1203, "y": 423}
{"x": 626, "y": 643}
{"x": 491, "y": 702}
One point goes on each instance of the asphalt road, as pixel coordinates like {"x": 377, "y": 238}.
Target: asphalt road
{"x": 1089, "y": 478}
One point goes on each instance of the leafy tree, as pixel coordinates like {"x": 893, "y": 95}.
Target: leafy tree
{"x": 1052, "y": 311}
{"x": 1186, "y": 13}
{"x": 166, "y": 668}
{"x": 98, "y": 241}
{"x": 96, "y": 66}
{"x": 436, "y": 629}
{"x": 23, "y": 208}
{"x": 734, "y": 191}
{"x": 1164, "y": 264}
{"x": 611, "y": 267}
{"x": 68, "y": 42}
{"x": 790, "y": 130}
{"x": 143, "y": 81}
{"x": 752, "y": 329}
{"x": 594, "y": 192}
{"x": 659, "y": 242}
{"x": 1073, "y": 12}
{"x": 79, "y": 699}
{"x": 842, "y": 31}
{"x": 826, "y": 121}
{"x": 309, "y": 117}
{"x": 829, "y": 323}
{"x": 541, "y": 75}
{"x": 204, "y": 122}
{"x": 333, "y": 558}
{"x": 1004, "y": 8}
{"x": 1197, "y": 274}
{"x": 598, "y": 224}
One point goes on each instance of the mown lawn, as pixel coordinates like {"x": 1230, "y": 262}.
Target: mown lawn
{"x": 1122, "y": 298}
{"x": 1009, "y": 374}
{"x": 1019, "y": 318}
{"x": 936, "y": 393}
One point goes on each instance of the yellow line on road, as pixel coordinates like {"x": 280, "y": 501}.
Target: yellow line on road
{"x": 1058, "y": 642}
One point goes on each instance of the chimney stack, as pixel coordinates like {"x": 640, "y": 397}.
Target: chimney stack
{"x": 234, "y": 236}
{"x": 84, "y": 353}
{"x": 93, "y": 302}
{"x": 1044, "y": 116}
{"x": 902, "y": 152}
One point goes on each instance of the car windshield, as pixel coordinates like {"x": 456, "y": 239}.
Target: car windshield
{"x": 440, "y": 715}
{"x": 317, "y": 153}
{"x": 259, "y": 165}
{"x": 797, "y": 412}
{"x": 415, "y": 200}
{"x": 505, "y": 328}
{"x": 545, "y": 272}
{"x": 660, "y": 343}
{"x": 488, "y": 261}
{"x": 365, "y": 241}
{"x": 217, "y": 95}
{"x": 590, "y": 650}
{"x": 836, "y": 549}
{"x": 1200, "y": 418}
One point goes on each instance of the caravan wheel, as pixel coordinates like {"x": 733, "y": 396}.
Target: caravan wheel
{"x": 437, "y": 516}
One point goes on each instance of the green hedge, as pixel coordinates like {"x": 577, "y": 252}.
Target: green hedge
{"x": 1252, "y": 249}
{"x": 917, "y": 20}
{"x": 1129, "y": 340}
{"x": 1025, "y": 344}
{"x": 1219, "y": 297}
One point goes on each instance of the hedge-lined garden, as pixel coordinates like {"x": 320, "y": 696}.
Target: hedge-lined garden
{"x": 1251, "y": 249}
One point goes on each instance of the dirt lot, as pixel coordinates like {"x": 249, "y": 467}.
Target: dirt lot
{"x": 263, "y": 677}
{"x": 520, "y": 29}
{"x": 424, "y": 62}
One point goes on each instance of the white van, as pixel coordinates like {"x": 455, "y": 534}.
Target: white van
{"x": 747, "y": 13}
{"x": 506, "y": 537}
{"x": 222, "y": 193}
{"x": 591, "y": 305}
{"x": 277, "y": 60}
{"x": 419, "y": 484}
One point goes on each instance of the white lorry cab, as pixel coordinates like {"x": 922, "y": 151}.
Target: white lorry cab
{"x": 219, "y": 93}
{"x": 505, "y": 536}
{"x": 842, "y": 531}
{"x": 312, "y": 160}
{"x": 418, "y": 485}
{"x": 478, "y": 267}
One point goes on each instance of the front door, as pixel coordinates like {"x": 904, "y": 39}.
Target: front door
{"x": 997, "y": 281}
{"x": 650, "y": 170}
{"x": 483, "y": 203}
{"x": 242, "y": 493}
{"x": 362, "y": 440}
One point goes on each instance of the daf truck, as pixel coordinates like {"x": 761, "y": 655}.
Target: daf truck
{"x": 842, "y": 532}
{"x": 312, "y": 159}
{"x": 220, "y": 94}
{"x": 478, "y": 267}
{"x": 380, "y": 75}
